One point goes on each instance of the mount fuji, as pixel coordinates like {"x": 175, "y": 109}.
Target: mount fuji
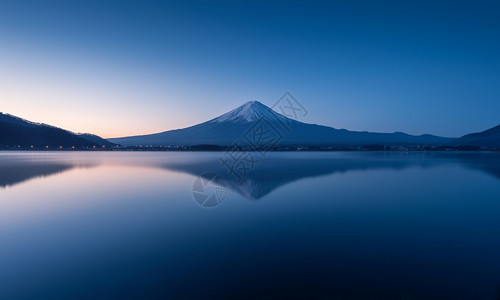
{"x": 240, "y": 126}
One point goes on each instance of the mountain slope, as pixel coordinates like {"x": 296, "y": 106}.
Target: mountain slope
{"x": 489, "y": 138}
{"x": 17, "y": 132}
{"x": 245, "y": 125}
{"x": 97, "y": 140}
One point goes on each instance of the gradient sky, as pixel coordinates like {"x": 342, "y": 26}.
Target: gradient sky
{"x": 118, "y": 68}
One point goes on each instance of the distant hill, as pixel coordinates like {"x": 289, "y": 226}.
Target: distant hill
{"x": 488, "y": 139}
{"x": 95, "y": 139}
{"x": 242, "y": 125}
{"x": 16, "y": 132}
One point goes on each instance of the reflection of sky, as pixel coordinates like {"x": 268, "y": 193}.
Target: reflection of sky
{"x": 127, "y": 224}
{"x": 123, "y": 69}
{"x": 90, "y": 181}
{"x": 84, "y": 190}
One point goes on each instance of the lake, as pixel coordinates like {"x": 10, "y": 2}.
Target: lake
{"x": 281, "y": 225}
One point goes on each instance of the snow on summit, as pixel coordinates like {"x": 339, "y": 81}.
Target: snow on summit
{"x": 248, "y": 112}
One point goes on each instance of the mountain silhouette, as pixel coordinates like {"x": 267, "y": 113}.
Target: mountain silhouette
{"x": 95, "y": 139}
{"x": 254, "y": 124}
{"x": 250, "y": 125}
{"x": 489, "y": 139}
{"x": 19, "y": 133}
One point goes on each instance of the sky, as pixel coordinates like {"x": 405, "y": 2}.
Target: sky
{"x": 120, "y": 68}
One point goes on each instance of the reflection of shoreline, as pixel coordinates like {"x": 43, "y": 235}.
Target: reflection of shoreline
{"x": 12, "y": 174}
{"x": 271, "y": 173}
{"x": 485, "y": 162}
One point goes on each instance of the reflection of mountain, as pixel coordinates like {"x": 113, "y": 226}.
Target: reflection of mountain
{"x": 15, "y": 172}
{"x": 485, "y": 162}
{"x": 272, "y": 173}
{"x": 275, "y": 171}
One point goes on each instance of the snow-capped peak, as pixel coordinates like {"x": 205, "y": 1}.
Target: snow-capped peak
{"x": 248, "y": 112}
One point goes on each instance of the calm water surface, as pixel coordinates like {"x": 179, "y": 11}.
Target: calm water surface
{"x": 81, "y": 225}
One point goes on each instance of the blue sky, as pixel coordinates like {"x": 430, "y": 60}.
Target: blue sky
{"x": 118, "y": 68}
